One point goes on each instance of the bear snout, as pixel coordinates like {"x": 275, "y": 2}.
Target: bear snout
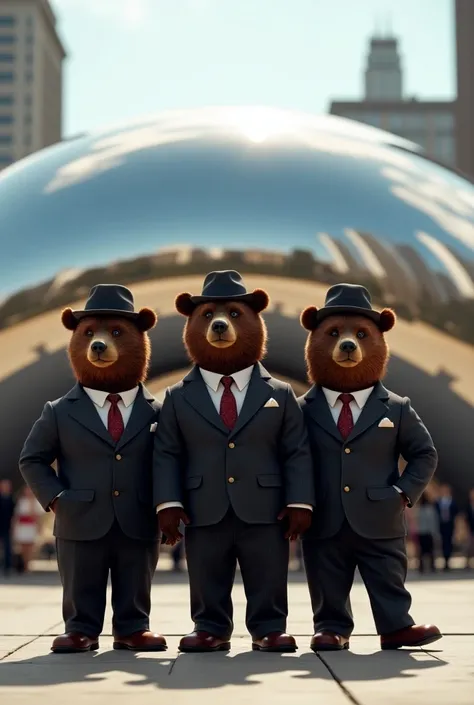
{"x": 219, "y": 326}
{"x": 98, "y": 346}
{"x": 347, "y": 346}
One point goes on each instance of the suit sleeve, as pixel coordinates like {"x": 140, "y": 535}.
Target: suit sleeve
{"x": 417, "y": 448}
{"x": 296, "y": 455}
{"x": 39, "y": 452}
{"x": 167, "y": 457}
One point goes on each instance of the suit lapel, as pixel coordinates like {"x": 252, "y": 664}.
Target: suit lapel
{"x": 258, "y": 393}
{"x": 196, "y": 394}
{"x": 319, "y": 410}
{"x": 374, "y": 409}
{"x": 84, "y": 412}
{"x": 142, "y": 414}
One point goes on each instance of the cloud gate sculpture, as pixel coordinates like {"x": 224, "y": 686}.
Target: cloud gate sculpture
{"x": 295, "y": 202}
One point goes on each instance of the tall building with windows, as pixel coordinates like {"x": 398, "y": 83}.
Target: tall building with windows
{"x": 427, "y": 123}
{"x": 464, "y": 17}
{"x": 31, "y": 58}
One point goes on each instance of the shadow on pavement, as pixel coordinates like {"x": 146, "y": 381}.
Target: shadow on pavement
{"x": 204, "y": 671}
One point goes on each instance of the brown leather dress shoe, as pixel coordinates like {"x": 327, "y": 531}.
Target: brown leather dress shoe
{"x": 141, "y": 641}
{"x": 410, "y": 636}
{"x": 276, "y": 641}
{"x": 328, "y": 641}
{"x": 73, "y": 643}
{"x": 202, "y": 641}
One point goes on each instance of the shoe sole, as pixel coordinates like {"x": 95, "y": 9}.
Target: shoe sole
{"x": 124, "y": 647}
{"x": 328, "y": 647}
{"x": 275, "y": 649}
{"x": 422, "y": 642}
{"x": 69, "y": 650}
{"x": 201, "y": 650}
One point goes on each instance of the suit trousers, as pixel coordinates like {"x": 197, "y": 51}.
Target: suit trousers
{"x": 84, "y": 567}
{"x": 212, "y": 554}
{"x": 330, "y": 568}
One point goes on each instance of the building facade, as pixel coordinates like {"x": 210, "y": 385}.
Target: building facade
{"x": 430, "y": 124}
{"x": 464, "y": 10}
{"x": 31, "y": 58}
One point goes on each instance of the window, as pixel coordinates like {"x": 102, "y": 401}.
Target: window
{"x": 7, "y": 21}
{"x": 415, "y": 121}
{"x": 5, "y": 139}
{"x": 445, "y": 148}
{"x": 6, "y": 119}
{"x": 28, "y": 76}
{"x": 6, "y": 100}
{"x": 6, "y": 77}
{"x": 7, "y": 58}
{"x": 7, "y": 39}
{"x": 444, "y": 122}
{"x": 396, "y": 122}
{"x": 28, "y": 119}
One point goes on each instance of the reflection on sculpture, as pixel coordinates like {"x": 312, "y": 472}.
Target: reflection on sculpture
{"x": 294, "y": 201}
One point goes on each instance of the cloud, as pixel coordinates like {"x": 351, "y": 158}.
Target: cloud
{"x": 130, "y": 13}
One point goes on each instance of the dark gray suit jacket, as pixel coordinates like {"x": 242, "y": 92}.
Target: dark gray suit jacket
{"x": 102, "y": 480}
{"x": 258, "y": 468}
{"x": 355, "y": 478}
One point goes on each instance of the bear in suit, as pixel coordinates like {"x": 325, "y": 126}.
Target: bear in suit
{"x": 358, "y": 430}
{"x": 232, "y": 461}
{"x": 100, "y": 434}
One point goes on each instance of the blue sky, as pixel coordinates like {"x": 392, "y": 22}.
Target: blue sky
{"x": 133, "y": 57}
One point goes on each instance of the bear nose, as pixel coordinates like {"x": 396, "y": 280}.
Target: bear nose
{"x": 98, "y": 346}
{"x": 219, "y": 326}
{"x": 347, "y": 346}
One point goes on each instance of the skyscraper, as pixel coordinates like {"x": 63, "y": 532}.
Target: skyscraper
{"x": 465, "y": 85}
{"x": 429, "y": 124}
{"x": 31, "y": 57}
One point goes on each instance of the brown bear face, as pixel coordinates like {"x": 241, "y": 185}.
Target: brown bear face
{"x": 346, "y": 352}
{"x": 108, "y": 353}
{"x": 223, "y": 337}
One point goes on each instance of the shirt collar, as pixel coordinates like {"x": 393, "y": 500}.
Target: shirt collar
{"x": 99, "y": 397}
{"x": 241, "y": 378}
{"x": 360, "y": 397}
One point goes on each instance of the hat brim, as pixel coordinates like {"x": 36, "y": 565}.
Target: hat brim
{"x": 104, "y": 312}
{"x": 347, "y": 310}
{"x": 244, "y": 298}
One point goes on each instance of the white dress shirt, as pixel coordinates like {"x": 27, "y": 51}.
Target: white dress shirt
{"x": 216, "y": 389}
{"x": 356, "y": 406}
{"x": 99, "y": 399}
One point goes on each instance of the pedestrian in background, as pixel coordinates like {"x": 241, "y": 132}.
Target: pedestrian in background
{"x": 26, "y": 526}
{"x": 447, "y": 512}
{"x": 7, "y": 508}
{"x": 470, "y": 528}
{"x": 427, "y": 521}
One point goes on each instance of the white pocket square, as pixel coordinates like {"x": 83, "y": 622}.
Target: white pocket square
{"x": 386, "y": 423}
{"x": 153, "y": 427}
{"x": 271, "y": 402}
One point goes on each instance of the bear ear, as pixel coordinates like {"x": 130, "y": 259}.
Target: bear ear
{"x": 260, "y": 300}
{"x": 183, "y": 304}
{"x": 309, "y": 318}
{"x": 146, "y": 319}
{"x": 68, "y": 319}
{"x": 387, "y": 320}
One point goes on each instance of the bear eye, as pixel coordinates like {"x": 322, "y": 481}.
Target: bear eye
{"x": 234, "y": 314}
{"x": 116, "y": 332}
{"x": 208, "y": 314}
{"x": 334, "y": 332}
{"x": 89, "y": 332}
{"x": 361, "y": 334}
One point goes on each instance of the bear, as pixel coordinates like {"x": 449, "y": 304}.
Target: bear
{"x": 101, "y": 435}
{"x": 358, "y": 431}
{"x": 232, "y": 461}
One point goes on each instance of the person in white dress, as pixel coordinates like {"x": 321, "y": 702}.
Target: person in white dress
{"x": 26, "y": 525}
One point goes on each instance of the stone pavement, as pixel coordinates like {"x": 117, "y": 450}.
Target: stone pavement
{"x": 29, "y": 674}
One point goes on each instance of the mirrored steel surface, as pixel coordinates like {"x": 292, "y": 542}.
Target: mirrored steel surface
{"x": 293, "y": 201}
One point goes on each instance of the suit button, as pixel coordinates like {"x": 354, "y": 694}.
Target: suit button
{"x": 116, "y": 493}
{"x": 118, "y": 457}
{"x": 347, "y": 488}
{"x": 231, "y": 480}
{"x": 231, "y": 445}
{"x": 347, "y": 450}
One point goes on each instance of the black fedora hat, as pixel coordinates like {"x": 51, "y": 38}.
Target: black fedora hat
{"x": 108, "y": 300}
{"x": 220, "y": 286}
{"x": 347, "y": 299}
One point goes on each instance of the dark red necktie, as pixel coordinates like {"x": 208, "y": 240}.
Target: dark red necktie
{"x": 228, "y": 408}
{"x": 115, "y": 419}
{"x": 345, "y": 422}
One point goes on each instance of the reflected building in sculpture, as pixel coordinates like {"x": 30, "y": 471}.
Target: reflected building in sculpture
{"x": 295, "y": 202}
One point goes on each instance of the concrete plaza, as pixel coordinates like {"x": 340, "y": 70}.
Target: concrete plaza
{"x": 30, "y": 615}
